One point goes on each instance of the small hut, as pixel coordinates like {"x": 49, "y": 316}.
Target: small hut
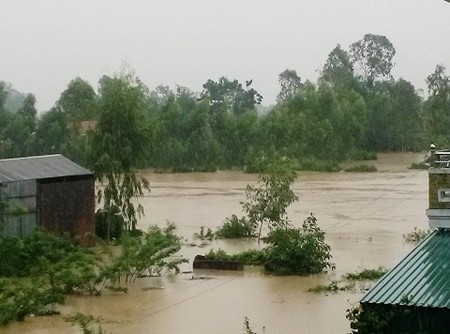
{"x": 50, "y": 192}
{"x": 414, "y": 297}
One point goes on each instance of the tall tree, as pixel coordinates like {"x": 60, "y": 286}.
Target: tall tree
{"x": 338, "y": 70}
{"x": 268, "y": 201}
{"x": 437, "y": 107}
{"x": 230, "y": 95}
{"x": 119, "y": 144}
{"x": 290, "y": 83}
{"x": 78, "y": 101}
{"x": 373, "y": 55}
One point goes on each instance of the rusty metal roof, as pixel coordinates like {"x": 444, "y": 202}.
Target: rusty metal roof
{"x": 39, "y": 167}
{"x": 422, "y": 278}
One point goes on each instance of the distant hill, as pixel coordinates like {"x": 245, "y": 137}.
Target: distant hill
{"x": 14, "y": 99}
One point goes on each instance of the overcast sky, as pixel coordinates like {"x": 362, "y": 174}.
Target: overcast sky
{"x": 46, "y": 43}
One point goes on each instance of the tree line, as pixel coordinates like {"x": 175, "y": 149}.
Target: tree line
{"x": 355, "y": 108}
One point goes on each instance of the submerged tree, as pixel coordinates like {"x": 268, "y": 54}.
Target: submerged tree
{"x": 267, "y": 203}
{"x": 118, "y": 145}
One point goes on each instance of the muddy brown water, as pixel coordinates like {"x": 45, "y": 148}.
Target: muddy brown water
{"x": 363, "y": 214}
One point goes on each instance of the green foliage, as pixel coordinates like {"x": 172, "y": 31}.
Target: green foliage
{"x": 78, "y": 101}
{"x": 119, "y": 144}
{"x": 21, "y": 258}
{"x": 290, "y": 251}
{"x": 52, "y": 267}
{"x": 363, "y": 168}
{"x": 334, "y": 286}
{"x": 380, "y": 318}
{"x": 367, "y": 274}
{"x": 251, "y": 257}
{"x": 373, "y": 54}
{"x": 267, "y": 202}
{"x": 354, "y": 109}
{"x": 202, "y": 235}
{"x": 149, "y": 254}
{"x": 313, "y": 164}
{"x": 290, "y": 83}
{"x": 233, "y": 227}
{"x": 225, "y": 94}
{"x": 347, "y": 282}
{"x": 416, "y": 235}
{"x": 299, "y": 251}
{"x": 86, "y": 323}
{"x": 108, "y": 221}
{"x": 20, "y": 298}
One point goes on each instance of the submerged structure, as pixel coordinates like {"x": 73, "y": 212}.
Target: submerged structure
{"x": 414, "y": 297}
{"x": 48, "y": 192}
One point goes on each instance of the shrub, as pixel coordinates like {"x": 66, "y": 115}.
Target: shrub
{"x": 313, "y": 164}
{"x": 23, "y": 257}
{"x": 87, "y": 323}
{"x": 365, "y": 168}
{"x": 290, "y": 251}
{"x": 148, "y": 254}
{"x": 416, "y": 235}
{"x": 299, "y": 251}
{"x": 363, "y": 155}
{"x": 367, "y": 274}
{"x": 234, "y": 227}
{"x": 251, "y": 257}
{"x": 18, "y": 299}
{"x": 334, "y": 286}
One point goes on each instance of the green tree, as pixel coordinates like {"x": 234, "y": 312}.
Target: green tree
{"x": 231, "y": 95}
{"x": 373, "y": 54}
{"x": 52, "y": 135}
{"x": 338, "y": 71}
{"x": 119, "y": 145}
{"x": 266, "y": 203}
{"x": 299, "y": 251}
{"x": 78, "y": 101}
{"x": 437, "y": 107}
{"x": 290, "y": 82}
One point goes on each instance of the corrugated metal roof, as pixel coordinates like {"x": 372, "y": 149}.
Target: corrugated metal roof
{"x": 422, "y": 278}
{"x": 39, "y": 167}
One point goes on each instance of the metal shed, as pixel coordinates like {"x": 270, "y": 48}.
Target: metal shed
{"x": 414, "y": 297}
{"x": 416, "y": 292}
{"x": 49, "y": 191}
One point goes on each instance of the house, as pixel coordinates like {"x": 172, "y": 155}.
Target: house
{"x": 414, "y": 297}
{"x": 50, "y": 192}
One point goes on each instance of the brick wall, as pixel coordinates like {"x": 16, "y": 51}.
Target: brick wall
{"x": 67, "y": 207}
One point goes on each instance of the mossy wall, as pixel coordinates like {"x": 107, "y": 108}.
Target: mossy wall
{"x": 437, "y": 181}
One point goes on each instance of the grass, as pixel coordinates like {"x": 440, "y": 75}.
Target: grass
{"x": 348, "y": 281}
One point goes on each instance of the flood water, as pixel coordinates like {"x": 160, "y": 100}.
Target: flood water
{"x": 363, "y": 214}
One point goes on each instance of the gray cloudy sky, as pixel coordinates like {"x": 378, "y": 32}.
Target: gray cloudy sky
{"x": 46, "y": 43}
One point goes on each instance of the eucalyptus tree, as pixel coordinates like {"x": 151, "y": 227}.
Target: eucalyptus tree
{"x": 373, "y": 56}
{"x": 338, "y": 71}
{"x": 119, "y": 144}
{"x": 290, "y": 83}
